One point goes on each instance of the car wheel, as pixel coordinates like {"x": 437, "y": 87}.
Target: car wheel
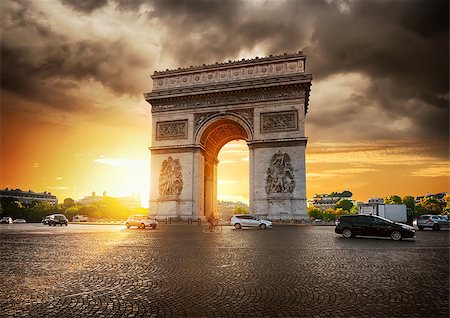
{"x": 127, "y": 225}
{"x": 396, "y": 235}
{"x": 420, "y": 228}
{"x": 237, "y": 226}
{"x": 262, "y": 226}
{"x": 142, "y": 226}
{"x": 347, "y": 233}
{"x": 65, "y": 224}
{"x": 436, "y": 227}
{"x": 153, "y": 226}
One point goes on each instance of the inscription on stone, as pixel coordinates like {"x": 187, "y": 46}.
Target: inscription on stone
{"x": 280, "y": 175}
{"x": 170, "y": 178}
{"x": 279, "y": 121}
{"x": 171, "y": 129}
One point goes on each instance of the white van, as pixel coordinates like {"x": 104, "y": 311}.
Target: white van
{"x": 79, "y": 218}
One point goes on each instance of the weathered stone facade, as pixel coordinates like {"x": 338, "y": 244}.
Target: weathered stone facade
{"x": 197, "y": 110}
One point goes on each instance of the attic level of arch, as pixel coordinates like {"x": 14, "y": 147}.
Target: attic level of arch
{"x": 180, "y": 99}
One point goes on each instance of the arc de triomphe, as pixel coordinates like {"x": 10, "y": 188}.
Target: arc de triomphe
{"x": 197, "y": 110}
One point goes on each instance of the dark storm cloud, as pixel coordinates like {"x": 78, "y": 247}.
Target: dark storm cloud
{"x": 401, "y": 46}
{"x": 43, "y": 69}
{"x": 85, "y": 6}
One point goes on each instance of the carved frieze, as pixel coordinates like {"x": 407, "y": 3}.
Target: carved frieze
{"x": 228, "y": 99}
{"x": 279, "y": 121}
{"x": 245, "y": 114}
{"x": 200, "y": 118}
{"x": 280, "y": 175}
{"x": 229, "y": 74}
{"x": 170, "y": 178}
{"x": 171, "y": 129}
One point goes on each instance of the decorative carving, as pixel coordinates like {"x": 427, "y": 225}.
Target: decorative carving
{"x": 160, "y": 106}
{"x": 199, "y": 119}
{"x": 170, "y": 178}
{"x": 206, "y": 76}
{"x": 280, "y": 175}
{"x": 171, "y": 129}
{"x": 246, "y": 114}
{"x": 279, "y": 121}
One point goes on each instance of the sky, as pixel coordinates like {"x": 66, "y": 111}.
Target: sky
{"x": 73, "y": 73}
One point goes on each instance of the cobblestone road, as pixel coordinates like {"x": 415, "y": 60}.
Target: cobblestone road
{"x": 177, "y": 271}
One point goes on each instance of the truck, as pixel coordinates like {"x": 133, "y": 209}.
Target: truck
{"x": 393, "y": 212}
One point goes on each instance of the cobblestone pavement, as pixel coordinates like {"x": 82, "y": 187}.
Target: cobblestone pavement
{"x": 177, "y": 271}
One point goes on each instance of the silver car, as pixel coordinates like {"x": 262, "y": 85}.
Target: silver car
{"x": 141, "y": 221}
{"x": 435, "y": 222}
{"x": 247, "y": 220}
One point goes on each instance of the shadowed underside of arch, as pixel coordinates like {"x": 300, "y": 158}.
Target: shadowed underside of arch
{"x": 220, "y": 133}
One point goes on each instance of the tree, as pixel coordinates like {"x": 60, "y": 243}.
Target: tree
{"x": 239, "y": 209}
{"x": 393, "y": 199}
{"x": 68, "y": 203}
{"x": 409, "y": 202}
{"x": 344, "y": 204}
{"x": 315, "y": 213}
{"x": 431, "y": 205}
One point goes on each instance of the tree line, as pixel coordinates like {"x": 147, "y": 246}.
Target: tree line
{"x": 426, "y": 205}
{"x": 107, "y": 208}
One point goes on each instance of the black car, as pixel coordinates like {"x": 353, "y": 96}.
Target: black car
{"x": 372, "y": 225}
{"x": 57, "y": 219}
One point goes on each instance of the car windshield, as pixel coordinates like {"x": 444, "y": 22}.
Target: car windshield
{"x": 60, "y": 217}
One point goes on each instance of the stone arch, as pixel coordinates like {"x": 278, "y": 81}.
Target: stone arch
{"x": 220, "y": 129}
{"x": 216, "y": 132}
{"x": 197, "y": 110}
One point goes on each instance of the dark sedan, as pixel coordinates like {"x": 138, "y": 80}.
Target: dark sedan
{"x": 372, "y": 225}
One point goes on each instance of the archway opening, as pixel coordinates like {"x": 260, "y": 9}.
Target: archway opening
{"x": 233, "y": 179}
{"x": 214, "y": 138}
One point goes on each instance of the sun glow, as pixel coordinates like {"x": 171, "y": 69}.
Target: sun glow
{"x": 233, "y": 172}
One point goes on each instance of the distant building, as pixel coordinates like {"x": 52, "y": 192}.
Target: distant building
{"x": 129, "y": 202}
{"x": 27, "y": 197}
{"x": 328, "y": 201}
{"x": 376, "y": 200}
{"x": 437, "y": 196}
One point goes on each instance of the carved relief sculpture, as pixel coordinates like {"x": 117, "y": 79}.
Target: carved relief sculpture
{"x": 279, "y": 121}
{"x": 280, "y": 175}
{"x": 170, "y": 178}
{"x": 171, "y": 129}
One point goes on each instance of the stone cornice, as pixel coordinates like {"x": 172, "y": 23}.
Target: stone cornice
{"x": 243, "y": 62}
{"x": 299, "y": 91}
{"x": 230, "y": 72}
{"x": 283, "y": 142}
{"x": 229, "y": 86}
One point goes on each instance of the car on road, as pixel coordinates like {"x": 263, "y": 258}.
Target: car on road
{"x": 45, "y": 220}
{"x": 141, "y": 221}
{"x": 372, "y": 225}
{"x": 19, "y": 221}
{"x": 247, "y": 220}
{"x": 55, "y": 219}
{"x": 80, "y": 218}
{"x": 435, "y": 222}
{"x": 6, "y": 220}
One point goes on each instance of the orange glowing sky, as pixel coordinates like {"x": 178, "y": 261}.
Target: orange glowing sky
{"x": 73, "y": 74}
